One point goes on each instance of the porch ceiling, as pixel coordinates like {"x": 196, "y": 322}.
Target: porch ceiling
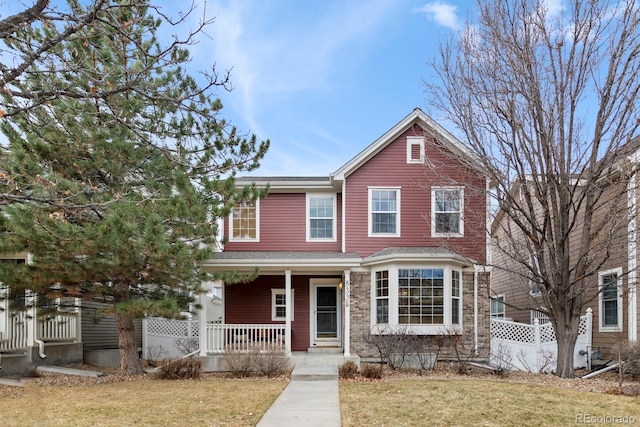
{"x": 278, "y": 261}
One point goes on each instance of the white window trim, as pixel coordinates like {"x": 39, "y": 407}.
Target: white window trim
{"x": 280, "y": 291}
{"x": 411, "y": 141}
{"x": 370, "y": 212}
{"x": 240, "y": 239}
{"x": 433, "y": 212}
{"x": 334, "y": 237}
{"x": 437, "y": 329}
{"x": 619, "y": 326}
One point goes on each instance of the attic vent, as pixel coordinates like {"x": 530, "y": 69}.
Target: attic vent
{"x": 415, "y": 149}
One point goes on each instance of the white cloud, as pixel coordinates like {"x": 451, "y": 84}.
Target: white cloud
{"x": 442, "y": 13}
{"x": 276, "y": 53}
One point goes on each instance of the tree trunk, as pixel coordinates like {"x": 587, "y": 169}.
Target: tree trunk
{"x": 566, "y": 336}
{"x": 129, "y": 359}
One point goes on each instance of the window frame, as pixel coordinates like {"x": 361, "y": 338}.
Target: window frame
{"x": 380, "y": 298}
{"x": 499, "y": 299}
{"x": 274, "y": 306}
{"x": 619, "y": 301}
{"x": 393, "y": 270}
{"x": 411, "y": 142}
{"x": 370, "y": 211}
{"x": 434, "y": 233}
{"x": 232, "y": 238}
{"x": 334, "y": 219}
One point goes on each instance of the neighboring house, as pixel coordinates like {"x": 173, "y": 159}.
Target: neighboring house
{"x": 394, "y": 239}
{"x": 32, "y": 336}
{"x": 612, "y": 292}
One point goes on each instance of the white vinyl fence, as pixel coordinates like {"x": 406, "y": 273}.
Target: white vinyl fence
{"x": 534, "y": 347}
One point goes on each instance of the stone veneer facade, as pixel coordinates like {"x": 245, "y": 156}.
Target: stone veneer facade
{"x": 360, "y": 304}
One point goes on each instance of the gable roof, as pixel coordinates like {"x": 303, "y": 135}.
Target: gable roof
{"x": 416, "y": 117}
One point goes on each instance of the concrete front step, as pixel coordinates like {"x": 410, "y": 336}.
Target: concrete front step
{"x": 308, "y": 372}
{"x": 68, "y": 371}
{"x": 325, "y": 350}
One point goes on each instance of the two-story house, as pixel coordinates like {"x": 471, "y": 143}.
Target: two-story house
{"x": 395, "y": 238}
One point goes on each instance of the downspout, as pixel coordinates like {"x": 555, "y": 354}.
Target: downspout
{"x": 40, "y": 348}
{"x": 632, "y": 302}
{"x": 475, "y": 310}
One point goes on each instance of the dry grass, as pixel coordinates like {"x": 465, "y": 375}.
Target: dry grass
{"x": 440, "y": 398}
{"x": 473, "y": 402}
{"x": 209, "y": 402}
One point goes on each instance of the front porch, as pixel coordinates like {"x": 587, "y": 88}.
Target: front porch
{"x": 28, "y": 337}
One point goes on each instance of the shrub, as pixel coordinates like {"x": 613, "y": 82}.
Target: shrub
{"x": 271, "y": 362}
{"x": 238, "y": 362}
{"x": 348, "y": 370}
{"x": 372, "y": 371}
{"x": 180, "y": 369}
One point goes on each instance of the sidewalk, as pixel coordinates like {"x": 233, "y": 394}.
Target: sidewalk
{"x": 311, "y": 399}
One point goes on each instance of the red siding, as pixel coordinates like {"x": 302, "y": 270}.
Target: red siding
{"x": 251, "y": 303}
{"x": 389, "y": 168}
{"x": 283, "y": 226}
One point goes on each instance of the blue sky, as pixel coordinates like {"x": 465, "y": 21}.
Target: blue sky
{"x": 322, "y": 79}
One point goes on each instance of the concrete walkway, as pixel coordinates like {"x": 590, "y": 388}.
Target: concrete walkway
{"x": 311, "y": 399}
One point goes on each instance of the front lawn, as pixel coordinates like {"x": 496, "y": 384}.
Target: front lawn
{"x": 478, "y": 402}
{"x": 211, "y": 402}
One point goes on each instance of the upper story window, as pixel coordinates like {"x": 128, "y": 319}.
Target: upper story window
{"x": 321, "y": 217}
{"x": 244, "y": 222}
{"x": 384, "y": 212}
{"x": 610, "y": 300}
{"x": 415, "y": 149}
{"x": 447, "y": 204}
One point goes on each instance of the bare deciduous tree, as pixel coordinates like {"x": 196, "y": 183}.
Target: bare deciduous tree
{"x": 546, "y": 95}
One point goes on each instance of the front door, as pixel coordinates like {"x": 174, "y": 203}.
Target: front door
{"x": 325, "y": 313}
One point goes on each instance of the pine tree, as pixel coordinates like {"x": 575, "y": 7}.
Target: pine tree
{"x": 116, "y": 190}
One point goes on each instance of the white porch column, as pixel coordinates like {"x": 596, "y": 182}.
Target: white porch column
{"x": 347, "y": 313}
{"x": 202, "y": 338}
{"x": 288, "y": 308}
{"x": 77, "y": 304}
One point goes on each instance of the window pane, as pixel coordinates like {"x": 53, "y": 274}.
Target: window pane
{"x": 321, "y": 217}
{"x": 384, "y": 210}
{"x": 610, "y": 309}
{"x": 382, "y": 311}
{"x": 421, "y": 296}
{"x": 447, "y": 211}
{"x": 244, "y": 221}
{"x": 321, "y": 228}
{"x": 383, "y": 223}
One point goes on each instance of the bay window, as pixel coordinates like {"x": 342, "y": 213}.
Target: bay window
{"x": 427, "y": 300}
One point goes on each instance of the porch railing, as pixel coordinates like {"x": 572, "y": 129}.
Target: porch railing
{"x": 15, "y": 336}
{"x": 221, "y": 337}
{"x": 24, "y": 329}
{"x": 58, "y": 327}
